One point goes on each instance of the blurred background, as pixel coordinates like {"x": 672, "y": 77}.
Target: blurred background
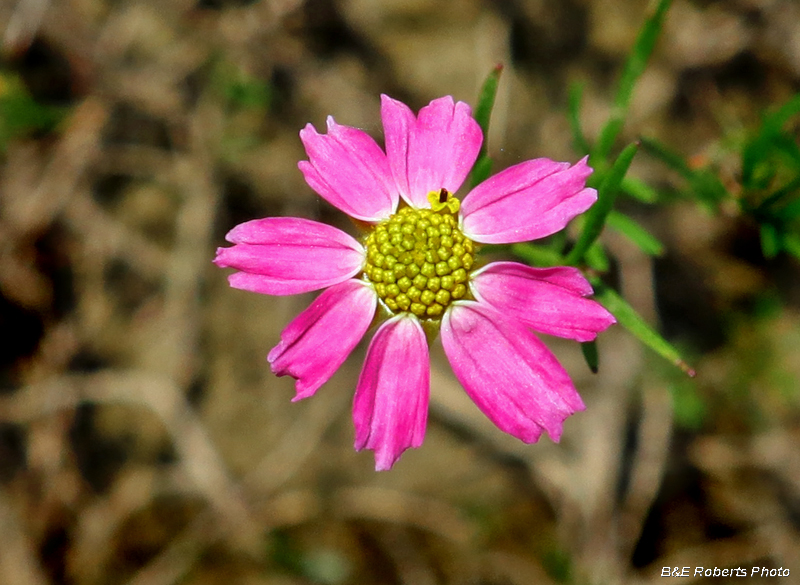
{"x": 143, "y": 439}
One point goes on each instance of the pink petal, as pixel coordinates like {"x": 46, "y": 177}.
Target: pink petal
{"x": 435, "y": 150}
{"x": 319, "y": 339}
{"x": 528, "y": 201}
{"x": 549, "y": 300}
{"x": 508, "y": 372}
{"x": 398, "y": 123}
{"x": 350, "y": 171}
{"x": 289, "y": 255}
{"x": 390, "y": 408}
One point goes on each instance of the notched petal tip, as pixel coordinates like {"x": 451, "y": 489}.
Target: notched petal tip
{"x": 527, "y": 201}
{"x": 549, "y": 300}
{"x": 508, "y": 372}
{"x": 318, "y": 340}
{"x": 347, "y": 168}
{"x": 219, "y": 257}
{"x": 463, "y": 109}
{"x": 390, "y": 407}
{"x": 433, "y": 150}
{"x": 389, "y": 100}
{"x": 308, "y": 132}
{"x": 287, "y": 255}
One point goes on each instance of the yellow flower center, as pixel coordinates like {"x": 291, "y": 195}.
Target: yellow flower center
{"x": 418, "y": 260}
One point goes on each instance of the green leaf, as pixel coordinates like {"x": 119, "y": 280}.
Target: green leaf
{"x": 579, "y": 141}
{"x": 635, "y": 233}
{"x": 787, "y": 146}
{"x": 791, "y": 211}
{"x": 536, "y": 255}
{"x": 20, "y": 113}
{"x": 639, "y": 190}
{"x": 633, "y": 322}
{"x": 606, "y": 194}
{"x": 770, "y": 134}
{"x": 634, "y": 67}
{"x": 239, "y": 89}
{"x": 704, "y": 185}
{"x": 776, "y": 120}
{"x": 249, "y": 93}
{"x": 770, "y": 240}
{"x": 791, "y": 243}
{"x": 596, "y": 258}
{"x": 483, "y": 113}
{"x": 669, "y": 157}
{"x": 761, "y": 170}
{"x": 688, "y": 405}
{"x": 481, "y": 171}
{"x": 777, "y": 197}
{"x": 589, "y": 350}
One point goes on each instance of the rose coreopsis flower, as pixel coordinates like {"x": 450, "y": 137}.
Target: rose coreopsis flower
{"x": 417, "y": 266}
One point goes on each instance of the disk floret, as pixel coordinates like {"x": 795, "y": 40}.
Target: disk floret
{"x": 418, "y": 260}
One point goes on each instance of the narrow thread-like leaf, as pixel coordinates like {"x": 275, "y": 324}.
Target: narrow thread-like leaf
{"x": 536, "y": 255}
{"x": 628, "y": 227}
{"x": 777, "y": 198}
{"x": 639, "y": 190}
{"x": 591, "y": 356}
{"x": 669, "y": 157}
{"x": 481, "y": 171}
{"x": 770, "y": 240}
{"x": 791, "y": 243}
{"x": 597, "y": 259}
{"x": 757, "y": 149}
{"x": 579, "y": 141}
{"x": 791, "y": 211}
{"x": 606, "y": 194}
{"x": 483, "y": 113}
{"x": 704, "y": 184}
{"x": 633, "y": 322}
{"x": 637, "y": 61}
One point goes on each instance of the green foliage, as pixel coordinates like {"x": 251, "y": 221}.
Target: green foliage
{"x": 610, "y": 179}
{"x": 239, "y": 89}
{"x": 558, "y": 565}
{"x": 324, "y": 566}
{"x": 579, "y": 141}
{"x": 688, "y": 405}
{"x": 591, "y": 356}
{"x": 770, "y": 181}
{"x": 634, "y": 67}
{"x": 638, "y": 190}
{"x": 770, "y": 148}
{"x": 483, "y": 113}
{"x": 481, "y": 171}
{"x": 537, "y": 255}
{"x": 633, "y": 322}
{"x": 635, "y": 233}
{"x": 20, "y": 114}
{"x": 703, "y": 185}
{"x": 246, "y": 100}
{"x": 606, "y": 195}
{"x": 610, "y": 176}
{"x": 768, "y": 186}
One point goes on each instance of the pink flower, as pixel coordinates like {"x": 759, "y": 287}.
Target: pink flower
{"x": 416, "y": 266}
